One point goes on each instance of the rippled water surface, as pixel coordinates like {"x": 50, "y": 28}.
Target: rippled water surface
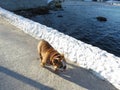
{"x": 78, "y": 19}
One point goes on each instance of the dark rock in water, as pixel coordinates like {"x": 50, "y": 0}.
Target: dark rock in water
{"x": 55, "y": 5}
{"x": 40, "y": 10}
{"x": 28, "y": 13}
{"x": 101, "y": 19}
{"x": 58, "y": 5}
{"x": 60, "y": 16}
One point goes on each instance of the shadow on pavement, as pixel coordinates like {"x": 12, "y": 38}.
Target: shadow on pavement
{"x": 84, "y": 78}
{"x": 24, "y": 79}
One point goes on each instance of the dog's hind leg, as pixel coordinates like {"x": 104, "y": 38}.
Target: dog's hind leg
{"x": 39, "y": 50}
{"x": 40, "y": 56}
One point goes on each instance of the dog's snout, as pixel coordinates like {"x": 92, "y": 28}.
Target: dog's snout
{"x": 61, "y": 66}
{"x": 64, "y": 67}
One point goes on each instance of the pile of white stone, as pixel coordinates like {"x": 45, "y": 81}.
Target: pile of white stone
{"x": 102, "y": 63}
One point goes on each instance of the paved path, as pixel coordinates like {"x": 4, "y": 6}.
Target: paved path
{"x": 20, "y": 70}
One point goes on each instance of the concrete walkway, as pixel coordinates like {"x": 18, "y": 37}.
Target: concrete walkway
{"x": 20, "y": 69}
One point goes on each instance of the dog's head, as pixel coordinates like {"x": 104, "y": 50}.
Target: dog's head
{"x": 59, "y": 62}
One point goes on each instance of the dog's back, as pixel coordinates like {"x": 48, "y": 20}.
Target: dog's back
{"x": 43, "y": 46}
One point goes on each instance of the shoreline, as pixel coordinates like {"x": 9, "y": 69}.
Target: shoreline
{"x": 103, "y": 64}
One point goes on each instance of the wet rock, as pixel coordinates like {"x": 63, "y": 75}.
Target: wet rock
{"x": 60, "y": 16}
{"x": 101, "y": 19}
{"x": 55, "y": 5}
{"x": 28, "y": 13}
{"x": 40, "y": 10}
{"x": 58, "y": 5}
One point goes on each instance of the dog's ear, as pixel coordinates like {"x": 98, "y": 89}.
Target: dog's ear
{"x": 62, "y": 55}
{"x": 55, "y": 61}
{"x": 63, "y": 58}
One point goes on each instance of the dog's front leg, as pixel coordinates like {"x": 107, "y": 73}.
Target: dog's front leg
{"x": 55, "y": 68}
{"x": 44, "y": 61}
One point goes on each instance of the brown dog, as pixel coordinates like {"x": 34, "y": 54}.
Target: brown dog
{"x": 49, "y": 55}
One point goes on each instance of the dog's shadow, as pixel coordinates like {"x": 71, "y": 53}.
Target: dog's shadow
{"x": 84, "y": 78}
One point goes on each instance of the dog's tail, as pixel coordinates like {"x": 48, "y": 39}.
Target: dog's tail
{"x": 39, "y": 47}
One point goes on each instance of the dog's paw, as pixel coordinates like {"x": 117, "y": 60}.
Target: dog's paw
{"x": 42, "y": 65}
{"x": 55, "y": 69}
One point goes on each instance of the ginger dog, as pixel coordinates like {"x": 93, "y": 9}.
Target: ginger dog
{"x": 49, "y": 55}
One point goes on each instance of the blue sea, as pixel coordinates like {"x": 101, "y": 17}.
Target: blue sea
{"x": 78, "y": 19}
